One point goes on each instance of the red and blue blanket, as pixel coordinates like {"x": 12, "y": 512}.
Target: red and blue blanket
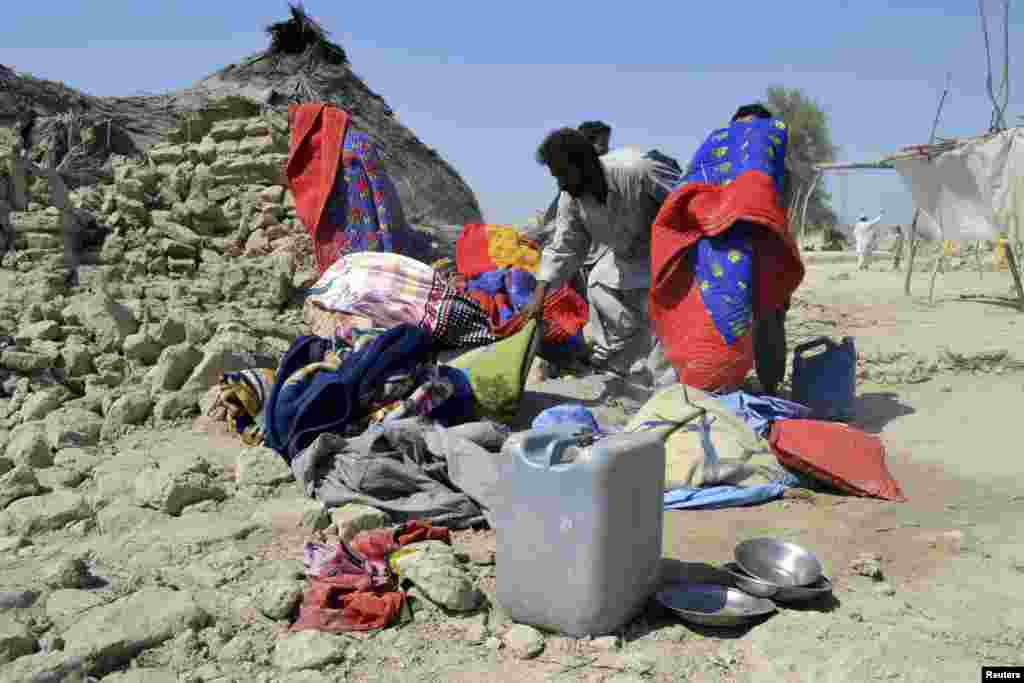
{"x": 722, "y": 256}
{"x": 496, "y": 266}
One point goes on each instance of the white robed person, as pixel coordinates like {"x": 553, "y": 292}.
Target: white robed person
{"x": 865, "y": 238}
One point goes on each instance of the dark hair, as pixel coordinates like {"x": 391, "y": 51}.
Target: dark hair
{"x": 572, "y": 147}
{"x": 594, "y": 129}
{"x": 26, "y": 128}
{"x": 757, "y": 110}
{"x": 568, "y": 145}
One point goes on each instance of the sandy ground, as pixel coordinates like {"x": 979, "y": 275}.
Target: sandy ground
{"x": 953, "y": 555}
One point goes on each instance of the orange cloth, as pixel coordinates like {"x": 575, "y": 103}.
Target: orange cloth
{"x": 317, "y": 133}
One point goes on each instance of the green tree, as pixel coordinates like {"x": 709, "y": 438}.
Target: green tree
{"x": 810, "y": 143}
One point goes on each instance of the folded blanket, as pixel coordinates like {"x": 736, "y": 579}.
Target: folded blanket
{"x": 705, "y": 443}
{"x": 386, "y": 290}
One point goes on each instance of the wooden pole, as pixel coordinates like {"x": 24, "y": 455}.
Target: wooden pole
{"x": 977, "y": 258}
{"x": 935, "y": 273}
{"x": 911, "y": 253}
{"x": 1011, "y": 261}
{"x": 803, "y": 212}
{"x": 913, "y": 225}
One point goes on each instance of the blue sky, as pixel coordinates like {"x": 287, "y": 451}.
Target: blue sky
{"x": 483, "y": 82}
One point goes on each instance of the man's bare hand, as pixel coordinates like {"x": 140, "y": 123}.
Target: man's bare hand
{"x": 534, "y": 309}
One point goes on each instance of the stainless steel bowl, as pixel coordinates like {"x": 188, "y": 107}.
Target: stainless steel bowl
{"x": 779, "y": 562}
{"x": 713, "y": 605}
{"x": 748, "y": 584}
{"x": 785, "y": 594}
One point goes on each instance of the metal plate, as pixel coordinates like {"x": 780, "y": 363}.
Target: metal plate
{"x": 713, "y": 605}
{"x": 779, "y": 562}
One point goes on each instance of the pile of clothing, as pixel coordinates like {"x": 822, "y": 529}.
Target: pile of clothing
{"x": 736, "y": 449}
{"x": 351, "y": 585}
{"x": 496, "y": 266}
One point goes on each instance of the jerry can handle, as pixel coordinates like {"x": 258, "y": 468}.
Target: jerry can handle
{"x": 813, "y": 344}
{"x": 557, "y": 447}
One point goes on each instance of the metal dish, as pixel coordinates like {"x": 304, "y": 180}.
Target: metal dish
{"x": 712, "y": 605}
{"x": 748, "y": 584}
{"x": 763, "y": 589}
{"x": 782, "y": 563}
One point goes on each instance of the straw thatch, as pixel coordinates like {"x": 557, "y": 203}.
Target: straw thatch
{"x": 301, "y": 34}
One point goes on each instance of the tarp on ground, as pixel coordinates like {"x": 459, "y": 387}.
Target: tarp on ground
{"x": 972, "y": 192}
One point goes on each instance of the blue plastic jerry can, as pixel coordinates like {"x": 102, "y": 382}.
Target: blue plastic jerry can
{"x": 826, "y": 382}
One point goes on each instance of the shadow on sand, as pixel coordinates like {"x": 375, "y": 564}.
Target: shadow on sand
{"x": 877, "y": 409}
{"x": 1004, "y": 302}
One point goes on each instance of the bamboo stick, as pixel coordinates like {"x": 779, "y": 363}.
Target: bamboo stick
{"x": 935, "y": 274}
{"x": 913, "y": 226}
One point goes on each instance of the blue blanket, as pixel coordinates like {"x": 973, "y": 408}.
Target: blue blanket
{"x": 331, "y": 400}
{"x": 761, "y": 411}
{"x": 758, "y": 145}
{"x": 723, "y": 265}
{"x": 720, "y": 497}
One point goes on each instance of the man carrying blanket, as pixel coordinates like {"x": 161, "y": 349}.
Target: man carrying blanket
{"x": 724, "y": 265}
{"x": 603, "y": 223}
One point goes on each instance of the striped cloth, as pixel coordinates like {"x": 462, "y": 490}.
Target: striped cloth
{"x": 390, "y": 289}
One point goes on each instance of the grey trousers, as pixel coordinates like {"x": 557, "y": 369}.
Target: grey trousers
{"x": 618, "y": 323}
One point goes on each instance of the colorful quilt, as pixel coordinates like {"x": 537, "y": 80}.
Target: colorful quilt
{"x": 496, "y": 265}
{"x": 342, "y": 194}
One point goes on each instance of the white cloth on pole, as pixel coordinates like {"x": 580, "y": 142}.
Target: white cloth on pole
{"x": 974, "y": 192}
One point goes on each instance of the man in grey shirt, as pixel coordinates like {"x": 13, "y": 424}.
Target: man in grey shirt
{"x": 605, "y": 210}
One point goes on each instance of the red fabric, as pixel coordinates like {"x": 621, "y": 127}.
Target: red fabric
{"x": 416, "y": 531}
{"x": 317, "y": 133}
{"x": 335, "y": 609}
{"x": 565, "y": 311}
{"x": 692, "y": 344}
{"x": 472, "y": 252}
{"x": 565, "y": 314}
{"x": 844, "y": 457}
{"x": 359, "y": 591}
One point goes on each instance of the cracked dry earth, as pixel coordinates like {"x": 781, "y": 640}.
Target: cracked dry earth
{"x": 107, "y": 577}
